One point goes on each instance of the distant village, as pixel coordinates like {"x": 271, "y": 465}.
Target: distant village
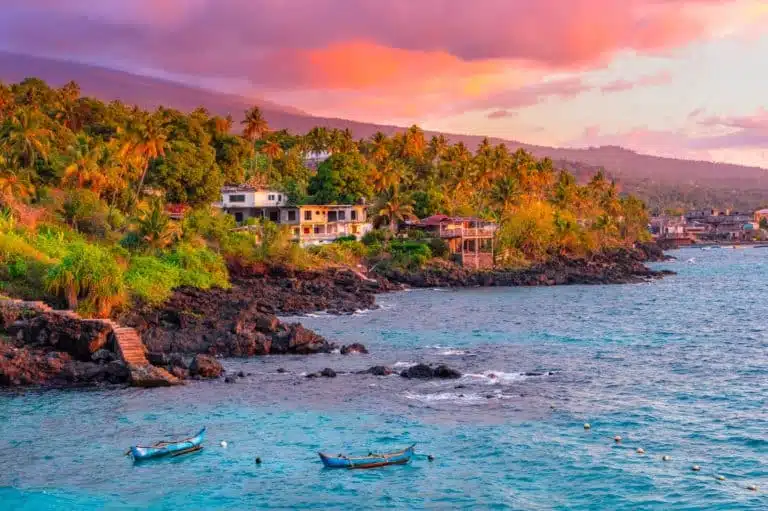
{"x": 710, "y": 226}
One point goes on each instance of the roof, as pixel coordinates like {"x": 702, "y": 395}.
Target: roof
{"x": 439, "y": 219}
{"x": 762, "y": 212}
{"x": 246, "y": 188}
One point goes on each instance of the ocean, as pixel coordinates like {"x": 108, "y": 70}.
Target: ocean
{"x": 677, "y": 367}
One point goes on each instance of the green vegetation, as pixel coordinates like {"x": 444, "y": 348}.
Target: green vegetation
{"x": 84, "y": 186}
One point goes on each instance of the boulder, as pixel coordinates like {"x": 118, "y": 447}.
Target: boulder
{"x": 353, "y": 348}
{"x": 445, "y": 372}
{"x": 420, "y": 371}
{"x": 230, "y": 379}
{"x": 205, "y": 366}
{"x": 149, "y": 376}
{"x": 377, "y": 371}
{"x": 80, "y": 338}
{"x": 423, "y": 372}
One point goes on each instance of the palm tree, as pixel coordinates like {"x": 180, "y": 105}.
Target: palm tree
{"x": 379, "y": 147}
{"x": 415, "y": 143}
{"x": 438, "y": 144}
{"x": 255, "y": 125}
{"x": 392, "y": 209}
{"x": 84, "y": 168}
{"x": 272, "y": 150}
{"x": 26, "y": 138}
{"x": 156, "y": 228}
{"x": 387, "y": 176}
{"x": 148, "y": 141}
{"x": 318, "y": 138}
{"x": 222, "y": 125}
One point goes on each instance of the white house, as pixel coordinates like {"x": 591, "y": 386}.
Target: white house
{"x": 245, "y": 202}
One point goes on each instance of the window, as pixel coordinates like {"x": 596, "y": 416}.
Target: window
{"x": 279, "y": 198}
{"x": 306, "y": 230}
{"x": 353, "y": 215}
{"x": 274, "y": 216}
{"x": 307, "y": 215}
{"x": 238, "y": 217}
{"x": 317, "y": 229}
{"x": 292, "y": 216}
{"x": 331, "y": 216}
{"x": 271, "y": 197}
{"x": 237, "y": 198}
{"x": 342, "y": 215}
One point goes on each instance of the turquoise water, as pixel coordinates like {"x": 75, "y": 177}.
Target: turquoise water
{"x": 677, "y": 367}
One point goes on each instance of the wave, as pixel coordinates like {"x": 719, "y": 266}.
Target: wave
{"x": 403, "y": 364}
{"x": 498, "y": 377}
{"x": 455, "y": 397}
{"x": 448, "y": 350}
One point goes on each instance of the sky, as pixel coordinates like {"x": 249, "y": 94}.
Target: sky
{"x": 681, "y": 78}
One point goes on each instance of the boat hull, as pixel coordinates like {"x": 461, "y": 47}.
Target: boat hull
{"x": 371, "y": 461}
{"x": 161, "y": 449}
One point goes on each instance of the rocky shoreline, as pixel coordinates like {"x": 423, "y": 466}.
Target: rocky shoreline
{"x": 184, "y": 337}
{"x": 622, "y": 266}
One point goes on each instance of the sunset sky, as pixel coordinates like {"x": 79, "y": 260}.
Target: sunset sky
{"x": 685, "y": 78}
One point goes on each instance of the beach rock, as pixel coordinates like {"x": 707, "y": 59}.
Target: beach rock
{"x": 230, "y": 379}
{"x": 353, "y": 348}
{"x": 445, "y": 372}
{"x": 423, "y": 372}
{"x": 281, "y": 370}
{"x": 327, "y": 373}
{"x": 149, "y": 376}
{"x": 419, "y": 371}
{"x": 205, "y": 366}
{"x": 179, "y": 372}
{"x": 377, "y": 371}
{"x": 240, "y": 374}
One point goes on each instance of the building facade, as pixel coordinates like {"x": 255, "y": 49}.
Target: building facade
{"x": 470, "y": 240}
{"x": 309, "y": 224}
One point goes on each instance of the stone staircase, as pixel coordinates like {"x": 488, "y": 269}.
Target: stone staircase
{"x": 128, "y": 345}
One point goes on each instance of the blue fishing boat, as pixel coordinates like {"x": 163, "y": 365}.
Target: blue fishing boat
{"x": 168, "y": 448}
{"x": 371, "y": 461}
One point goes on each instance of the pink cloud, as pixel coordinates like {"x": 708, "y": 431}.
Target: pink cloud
{"x": 501, "y": 114}
{"x": 660, "y": 78}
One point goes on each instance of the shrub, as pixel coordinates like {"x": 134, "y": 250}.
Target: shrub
{"x": 439, "y": 248}
{"x": 410, "y": 254}
{"x": 89, "y": 278}
{"x": 151, "y": 279}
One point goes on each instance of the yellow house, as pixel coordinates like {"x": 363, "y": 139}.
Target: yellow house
{"x": 321, "y": 223}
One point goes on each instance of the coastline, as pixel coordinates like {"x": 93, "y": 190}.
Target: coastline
{"x": 184, "y": 336}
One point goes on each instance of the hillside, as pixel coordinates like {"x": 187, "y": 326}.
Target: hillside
{"x": 662, "y": 182}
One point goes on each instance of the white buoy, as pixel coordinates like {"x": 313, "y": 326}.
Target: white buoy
{"x": 720, "y": 478}
{"x": 752, "y": 487}
{"x": 695, "y": 468}
{"x": 587, "y": 425}
{"x": 617, "y": 439}
{"x": 223, "y": 444}
{"x": 666, "y": 458}
{"x": 640, "y": 450}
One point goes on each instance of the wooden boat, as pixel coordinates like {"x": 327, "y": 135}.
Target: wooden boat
{"x": 168, "y": 448}
{"x": 370, "y": 461}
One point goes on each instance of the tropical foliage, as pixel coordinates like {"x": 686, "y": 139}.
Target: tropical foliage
{"x": 84, "y": 186}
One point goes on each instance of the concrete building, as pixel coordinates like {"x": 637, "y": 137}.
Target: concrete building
{"x": 244, "y": 202}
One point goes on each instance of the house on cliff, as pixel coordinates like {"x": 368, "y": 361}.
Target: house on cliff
{"x": 470, "y": 239}
{"x": 309, "y": 224}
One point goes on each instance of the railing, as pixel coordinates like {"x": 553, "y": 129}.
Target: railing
{"x": 468, "y": 232}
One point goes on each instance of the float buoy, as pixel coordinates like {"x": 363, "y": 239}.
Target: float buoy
{"x": 640, "y": 450}
{"x": 223, "y": 444}
{"x": 587, "y": 425}
{"x": 430, "y": 458}
{"x": 720, "y": 478}
{"x": 617, "y": 439}
{"x": 695, "y": 468}
{"x": 666, "y": 458}
{"x": 258, "y": 460}
{"x": 752, "y": 487}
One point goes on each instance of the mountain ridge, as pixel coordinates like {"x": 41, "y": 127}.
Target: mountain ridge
{"x": 630, "y": 168}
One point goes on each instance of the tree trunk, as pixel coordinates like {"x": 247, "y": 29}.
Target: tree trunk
{"x": 141, "y": 183}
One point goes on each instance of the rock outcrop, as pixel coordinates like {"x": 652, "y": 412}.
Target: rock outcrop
{"x": 221, "y": 322}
